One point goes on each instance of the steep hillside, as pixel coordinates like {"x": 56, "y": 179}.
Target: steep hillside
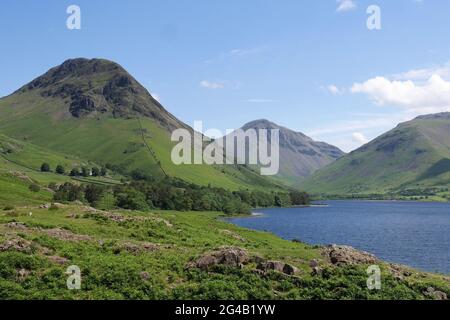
{"x": 95, "y": 110}
{"x": 414, "y": 155}
{"x": 300, "y": 155}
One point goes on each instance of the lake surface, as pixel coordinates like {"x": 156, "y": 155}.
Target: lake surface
{"x": 410, "y": 233}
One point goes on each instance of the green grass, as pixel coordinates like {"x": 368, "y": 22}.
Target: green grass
{"x": 111, "y": 273}
{"x": 15, "y": 192}
{"x": 27, "y": 117}
{"x": 414, "y": 155}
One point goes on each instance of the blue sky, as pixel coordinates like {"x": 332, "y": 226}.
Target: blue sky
{"x": 312, "y": 66}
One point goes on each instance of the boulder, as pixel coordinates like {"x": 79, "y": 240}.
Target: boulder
{"x": 227, "y": 256}
{"x": 16, "y": 244}
{"x": 16, "y": 225}
{"x": 317, "y": 271}
{"x": 22, "y": 274}
{"x": 277, "y": 266}
{"x": 345, "y": 255}
{"x": 314, "y": 263}
{"x": 435, "y": 294}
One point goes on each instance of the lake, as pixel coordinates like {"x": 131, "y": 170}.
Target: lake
{"x": 411, "y": 233}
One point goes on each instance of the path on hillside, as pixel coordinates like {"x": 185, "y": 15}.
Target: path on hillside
{"x": 153, "y": 154}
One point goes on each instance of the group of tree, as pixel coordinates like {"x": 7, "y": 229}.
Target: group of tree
{"x": 173, "y": 194}
{"x": 77, "y": 172}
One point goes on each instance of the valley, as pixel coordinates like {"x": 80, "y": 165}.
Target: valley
{"x": 87, "y": 180}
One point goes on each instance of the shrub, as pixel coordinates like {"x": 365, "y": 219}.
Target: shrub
{"x": 34, "y": 188}
{"x": 60, "y": 169}
{"x": 95, "y": 172}
{"x": 45, "y": 167}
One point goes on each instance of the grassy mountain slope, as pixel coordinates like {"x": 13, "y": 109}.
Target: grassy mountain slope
{"x": 146, "y": 256}
{"x": 414, "y": 155}
{"x": 94, "y": 109}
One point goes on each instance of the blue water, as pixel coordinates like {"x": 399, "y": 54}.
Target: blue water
{"x": 410, "y": 233}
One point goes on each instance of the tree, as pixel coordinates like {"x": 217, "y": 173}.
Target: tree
{"x": 60, "y": 169}
{"x": 95, "y": 172}
{"x": 45, "y": 167}
{"x": 92, "y": 193}
{"x": 103, "y": 171}
{"x": 85, "y": 172}
{"x": 74, "y": 172}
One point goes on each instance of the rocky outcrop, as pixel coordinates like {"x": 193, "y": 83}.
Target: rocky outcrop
{"x": 399, "y": 272}
{"x": 65, "y": 235}
{"x": 16, "y": 244}
{"x": 435, "y": 294}
{"x": 277, "y": 266}
{"x": 345, "y": 255}
{"x": 225, "y": 256}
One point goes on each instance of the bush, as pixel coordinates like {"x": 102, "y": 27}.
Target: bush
{"x": 85, "y": 172}
{"x": 8, "y": 208}
{"x": 60, "y": 169}
{"x": 45, "y": 167}
{"x": 95, "y": 172}
{"x": 34, "y": 188}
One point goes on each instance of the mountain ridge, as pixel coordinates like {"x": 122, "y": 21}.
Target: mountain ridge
{"x": 300, "y": 155}
{"x": 94, "y": 109}
{"x": 415, "y": 154}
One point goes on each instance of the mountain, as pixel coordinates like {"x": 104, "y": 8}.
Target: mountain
{"x": 95, "y": 110}
{"x": 414, "y": 155}
{"x": 300, "y": 155}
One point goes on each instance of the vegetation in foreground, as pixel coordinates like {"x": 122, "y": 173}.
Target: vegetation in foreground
{"x": 137, "y": 255}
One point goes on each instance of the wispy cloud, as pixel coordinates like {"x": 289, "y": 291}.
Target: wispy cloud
{"x": 333, "y": 89}
{"x": 235, "y": 53}
{"x": 212, "y": 85}
{"x": 424, "y": 73}
{"x": 352, "y": 134}
{"x": 345, "y": 5}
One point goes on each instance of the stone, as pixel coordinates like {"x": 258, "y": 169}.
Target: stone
{"x": 17, "y": 244}
{"x": 346, "y": 255}
{"x": 277, "y": 266}
{"x": 435, "y": 294}
{"x": 226, "y": 256}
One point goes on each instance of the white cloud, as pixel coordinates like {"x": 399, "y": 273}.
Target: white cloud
{"x": 211, "y": 85}
{"x": 425, "y": 73}
{"x": 359, "y": 138}
{"x": 432, "y": 96}
{"x": 334, "y": 89}
{"x": 156, "y": 96}
{"x": 346, "y": 5}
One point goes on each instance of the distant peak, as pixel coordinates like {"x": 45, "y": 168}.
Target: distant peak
{"x": 261, "y": 124}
